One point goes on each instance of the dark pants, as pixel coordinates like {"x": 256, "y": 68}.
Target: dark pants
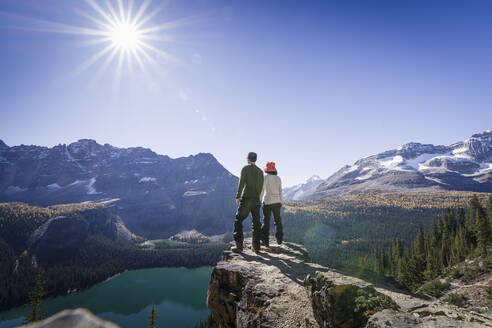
{"x": 246, "y": 206}
{"x": 265, "y": 229}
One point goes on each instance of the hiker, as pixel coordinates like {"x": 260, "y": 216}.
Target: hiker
{"x": 248, "y": 200}
{"x": 272, "y": 190}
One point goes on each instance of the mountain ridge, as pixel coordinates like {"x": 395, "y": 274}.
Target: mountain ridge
{"x": 464, "y": 165}
{"x": 158, "y": 196}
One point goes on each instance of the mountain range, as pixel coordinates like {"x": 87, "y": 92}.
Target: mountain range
{"x": 304, "y": 190}
{"x": 156, "y": 196}
{"x": 465, "y": 166}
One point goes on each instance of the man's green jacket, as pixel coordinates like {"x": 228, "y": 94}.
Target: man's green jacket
{"x": 251, "y": 182}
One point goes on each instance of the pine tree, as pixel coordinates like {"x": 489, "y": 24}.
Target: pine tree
{"x": 435, "y": 231}
{"x": 152, "y": 317}
{"x": 475, "y": 203}
{"x": 483, "y": 233}
{"x": 36, "y": 298}
{"x": 489, "y": 211}
{"x": 420, "y": 241}
{"x": 395, "y": 256}
{"x": 449, "y": 221}
{"x": 432, "y": 265}
{"x": 445, "y": 249}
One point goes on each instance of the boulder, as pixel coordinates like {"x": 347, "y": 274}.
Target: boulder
{"x": 78, "y": 318}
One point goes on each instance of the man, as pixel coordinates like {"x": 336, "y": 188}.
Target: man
{"x": 248, "y": 200}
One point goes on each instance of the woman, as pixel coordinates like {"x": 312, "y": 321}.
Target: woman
{"x": 272, "y": 202}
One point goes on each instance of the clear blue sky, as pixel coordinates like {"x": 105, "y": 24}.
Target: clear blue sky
{"x": 310, "y": 85}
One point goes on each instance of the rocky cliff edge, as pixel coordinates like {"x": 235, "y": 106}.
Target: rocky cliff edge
{"x": 280, "y": 287}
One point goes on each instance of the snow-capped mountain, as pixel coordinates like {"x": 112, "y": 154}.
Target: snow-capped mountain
{"x": 304, "y": 190}
{"x": 158, "y": 196}
{"x": 465, "y": 165}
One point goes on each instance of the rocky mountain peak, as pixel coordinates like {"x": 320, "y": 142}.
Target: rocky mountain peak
{"x": 485, "y": 134}
{"x": 86, "y": 142}
{"x": 313, "y": 178}
{"x": 201, "y": 160}
{"x": 205, "y": 157}
{"x": 3, "y": 145}
{"x": 414, "y": 149}
{"x": 477, "y": 147}
{"x": 304, "y": 190}
{"x": 466, "y": 165}
{"x": 85, "y": 147}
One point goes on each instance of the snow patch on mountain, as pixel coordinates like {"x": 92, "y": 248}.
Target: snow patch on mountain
{"x": 147, "y": 179}
{"x": 436, "y": 180}
{"x": 391, "y": 162}
{"x": 71, "y": 159}
{"x": 418, "y": 162}
{"x": 54, "y": 186}
{"x": 90, "y": 187}
{"x": 352, "y": 168}
{"x": 485, "y": 167}
{"x": 461, "y": 152}
{"x": 365, "y": 176}
{"x": 191, "y": 193}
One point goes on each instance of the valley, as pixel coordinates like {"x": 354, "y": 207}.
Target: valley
{"x": 79, "y": 245}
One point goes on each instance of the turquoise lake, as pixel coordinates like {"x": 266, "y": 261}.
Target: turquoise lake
{"x": 179, "y": 295}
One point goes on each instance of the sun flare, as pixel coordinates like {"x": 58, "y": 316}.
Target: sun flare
{"x": 125, "y": 36}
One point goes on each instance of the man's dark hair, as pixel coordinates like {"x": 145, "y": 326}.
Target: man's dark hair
{"x": 252, "y": 157}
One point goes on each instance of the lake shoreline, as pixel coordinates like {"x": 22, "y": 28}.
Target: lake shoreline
{"x": 180, "y": 290}
{"x": 75, "y": 290}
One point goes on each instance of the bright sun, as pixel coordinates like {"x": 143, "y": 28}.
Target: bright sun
{"x": 126, "y": 33}
{"x": 125, "y": 36}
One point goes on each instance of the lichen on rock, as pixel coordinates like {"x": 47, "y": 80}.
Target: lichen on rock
{"x": 344, "y": 305}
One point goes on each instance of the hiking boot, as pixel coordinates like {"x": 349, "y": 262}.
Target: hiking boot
{"x": 236, "y": 249}
{"x": 256, "y": 250}
{"x": 265, "y": 242}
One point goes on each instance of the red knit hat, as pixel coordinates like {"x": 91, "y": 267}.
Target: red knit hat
{"x": 270, "y": 167}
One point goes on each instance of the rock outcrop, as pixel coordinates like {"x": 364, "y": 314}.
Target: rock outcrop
{"x": 190, "y": 236}
{"x": 280, "y": 287}
{"x": 78, "y": 318}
